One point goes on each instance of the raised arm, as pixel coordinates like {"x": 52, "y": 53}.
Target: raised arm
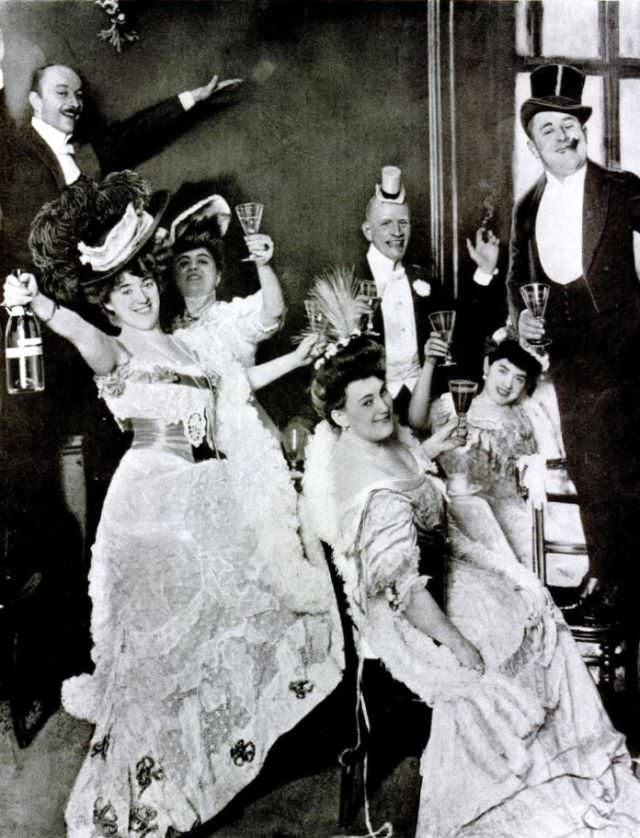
{"x": 99, "y": 350}
{"x": 263, "y": 374}
{"x": 261, "y": 249}
{"x": 435, "y": 348}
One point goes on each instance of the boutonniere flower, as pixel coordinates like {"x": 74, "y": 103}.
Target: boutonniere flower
{"x": 422, "y": 288}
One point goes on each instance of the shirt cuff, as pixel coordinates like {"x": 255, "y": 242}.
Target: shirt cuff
{"x": 186, "y": 100}
{"x": 482, "y": 278}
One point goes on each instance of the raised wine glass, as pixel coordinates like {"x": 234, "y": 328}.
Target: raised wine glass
{"x": 443, "y": 323}
{"x": 462, "y": 392}
{"x": 535, "y": 296}
{"x": 250, "y": 218}
{"x": 294, "y": 442}
{"x": 368, "y": 291}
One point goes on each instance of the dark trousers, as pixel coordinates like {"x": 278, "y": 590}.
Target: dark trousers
{"x": 595, "y": 365}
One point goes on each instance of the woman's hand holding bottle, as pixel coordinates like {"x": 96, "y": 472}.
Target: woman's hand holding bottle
{"x": 20, "y": 289}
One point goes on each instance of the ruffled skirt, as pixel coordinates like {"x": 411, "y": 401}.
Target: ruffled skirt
{"x": 205, "y": 652}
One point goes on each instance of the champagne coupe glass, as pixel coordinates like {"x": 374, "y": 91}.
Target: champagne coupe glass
{"x": 535, "y": 296}
{"x": 315, "y": 317}
{"x": 250, "y": 217}
{"x": 462, "y": 392}
{"x": 369, "y": 293}
{"x": 294, "y": 441}
{"x": 443, "y": 323}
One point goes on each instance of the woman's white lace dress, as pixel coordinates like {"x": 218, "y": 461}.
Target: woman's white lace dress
{"x": 500, "y": 438}
{"x": 524, "y": 750}
{"x": 213, "y": 635}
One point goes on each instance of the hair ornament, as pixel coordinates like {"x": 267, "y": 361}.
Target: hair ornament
{"x": 336, "y": 309}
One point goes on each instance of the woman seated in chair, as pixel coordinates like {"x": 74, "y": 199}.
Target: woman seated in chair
{"x": 520, "y": 744}
{"x": 505, "y": 428}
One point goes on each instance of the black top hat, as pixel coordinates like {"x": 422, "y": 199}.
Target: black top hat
{"x": 555, "y": 87}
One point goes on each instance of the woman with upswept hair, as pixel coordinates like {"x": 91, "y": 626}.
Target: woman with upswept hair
{"x": 212, "y": 635}
{"x": 520, "y": 744}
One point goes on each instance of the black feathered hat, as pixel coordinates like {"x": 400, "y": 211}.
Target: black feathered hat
{"x": 93, "y": 231}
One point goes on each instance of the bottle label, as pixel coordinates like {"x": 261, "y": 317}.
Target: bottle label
{"x": 37, "y": 341}
{"x": 24, "y": 351}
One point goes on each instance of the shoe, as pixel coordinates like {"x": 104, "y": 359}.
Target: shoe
{"x": 595, "y": 607}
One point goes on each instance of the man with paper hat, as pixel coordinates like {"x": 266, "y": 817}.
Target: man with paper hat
{"x": 573, "y": 230}
{"x": 406, "y": 292}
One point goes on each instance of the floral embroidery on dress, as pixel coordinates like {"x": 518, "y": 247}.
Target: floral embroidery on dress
{"x": 114, "y": 383}
{"x": 146, "y": 771}
{"x": 140, "y": 820}
{"x": 100, "y": 748}
{"x": 242, "y": 752}
{"x": 301, "y": 688}
{"x": 105, "y": 819}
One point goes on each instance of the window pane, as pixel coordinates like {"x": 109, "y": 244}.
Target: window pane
{"x": 629, "y": 28}
{"x": 630, "y": 124}
{"x": 526, "y": 169}
{"x": 522, "y": 34}
{"x": 570, "y": 28}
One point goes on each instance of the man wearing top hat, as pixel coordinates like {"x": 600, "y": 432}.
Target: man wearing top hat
{"x": 574, "y": 230}
{"x": 407, "y": 298}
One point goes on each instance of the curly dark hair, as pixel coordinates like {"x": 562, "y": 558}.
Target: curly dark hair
{"x": 511, "y": 351}
{"x": 363, "y": 357}
{"x": 198, "y": 234}
{"x": 84, "y": 211}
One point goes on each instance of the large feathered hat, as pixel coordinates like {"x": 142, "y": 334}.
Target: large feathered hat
{"x": 93, "y": 231}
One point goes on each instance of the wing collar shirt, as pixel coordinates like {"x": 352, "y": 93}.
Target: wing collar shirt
{"x": 60, "y": 145}
{"x": 559, "y": 227}
{"x": 401, "y": 340}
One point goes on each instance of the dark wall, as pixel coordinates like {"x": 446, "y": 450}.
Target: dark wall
{"x": 335, "y": 90}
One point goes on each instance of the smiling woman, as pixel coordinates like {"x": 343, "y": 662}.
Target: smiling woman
{"x": 195, "y": 566}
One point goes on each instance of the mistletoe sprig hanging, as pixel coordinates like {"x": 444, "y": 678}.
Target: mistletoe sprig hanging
{"x": 118, "y": 33}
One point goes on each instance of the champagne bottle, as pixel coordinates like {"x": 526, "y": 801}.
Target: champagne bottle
{"x": 23, "y": 352}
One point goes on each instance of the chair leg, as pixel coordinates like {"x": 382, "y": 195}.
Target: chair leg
{"x": 607, "y": 673}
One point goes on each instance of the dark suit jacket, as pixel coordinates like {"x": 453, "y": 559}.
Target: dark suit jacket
{"x": 422, "y": 306}
{"x": 480, "y": 312}
{"x": 31, "y": 174}
{"x": 611, "y": 213}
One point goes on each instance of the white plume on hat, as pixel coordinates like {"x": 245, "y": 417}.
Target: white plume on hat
{"x": 214, "y": 206}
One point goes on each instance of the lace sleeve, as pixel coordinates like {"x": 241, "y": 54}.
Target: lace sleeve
{"x": 388, "y": 546}
{"x": 248, "y": 314}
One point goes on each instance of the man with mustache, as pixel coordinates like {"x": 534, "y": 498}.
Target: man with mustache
{"x": 53, "y": 150}
{"x": 574, "y": 231}
{"x": 407, "y": 297}
{"x": 40, "y": 536}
